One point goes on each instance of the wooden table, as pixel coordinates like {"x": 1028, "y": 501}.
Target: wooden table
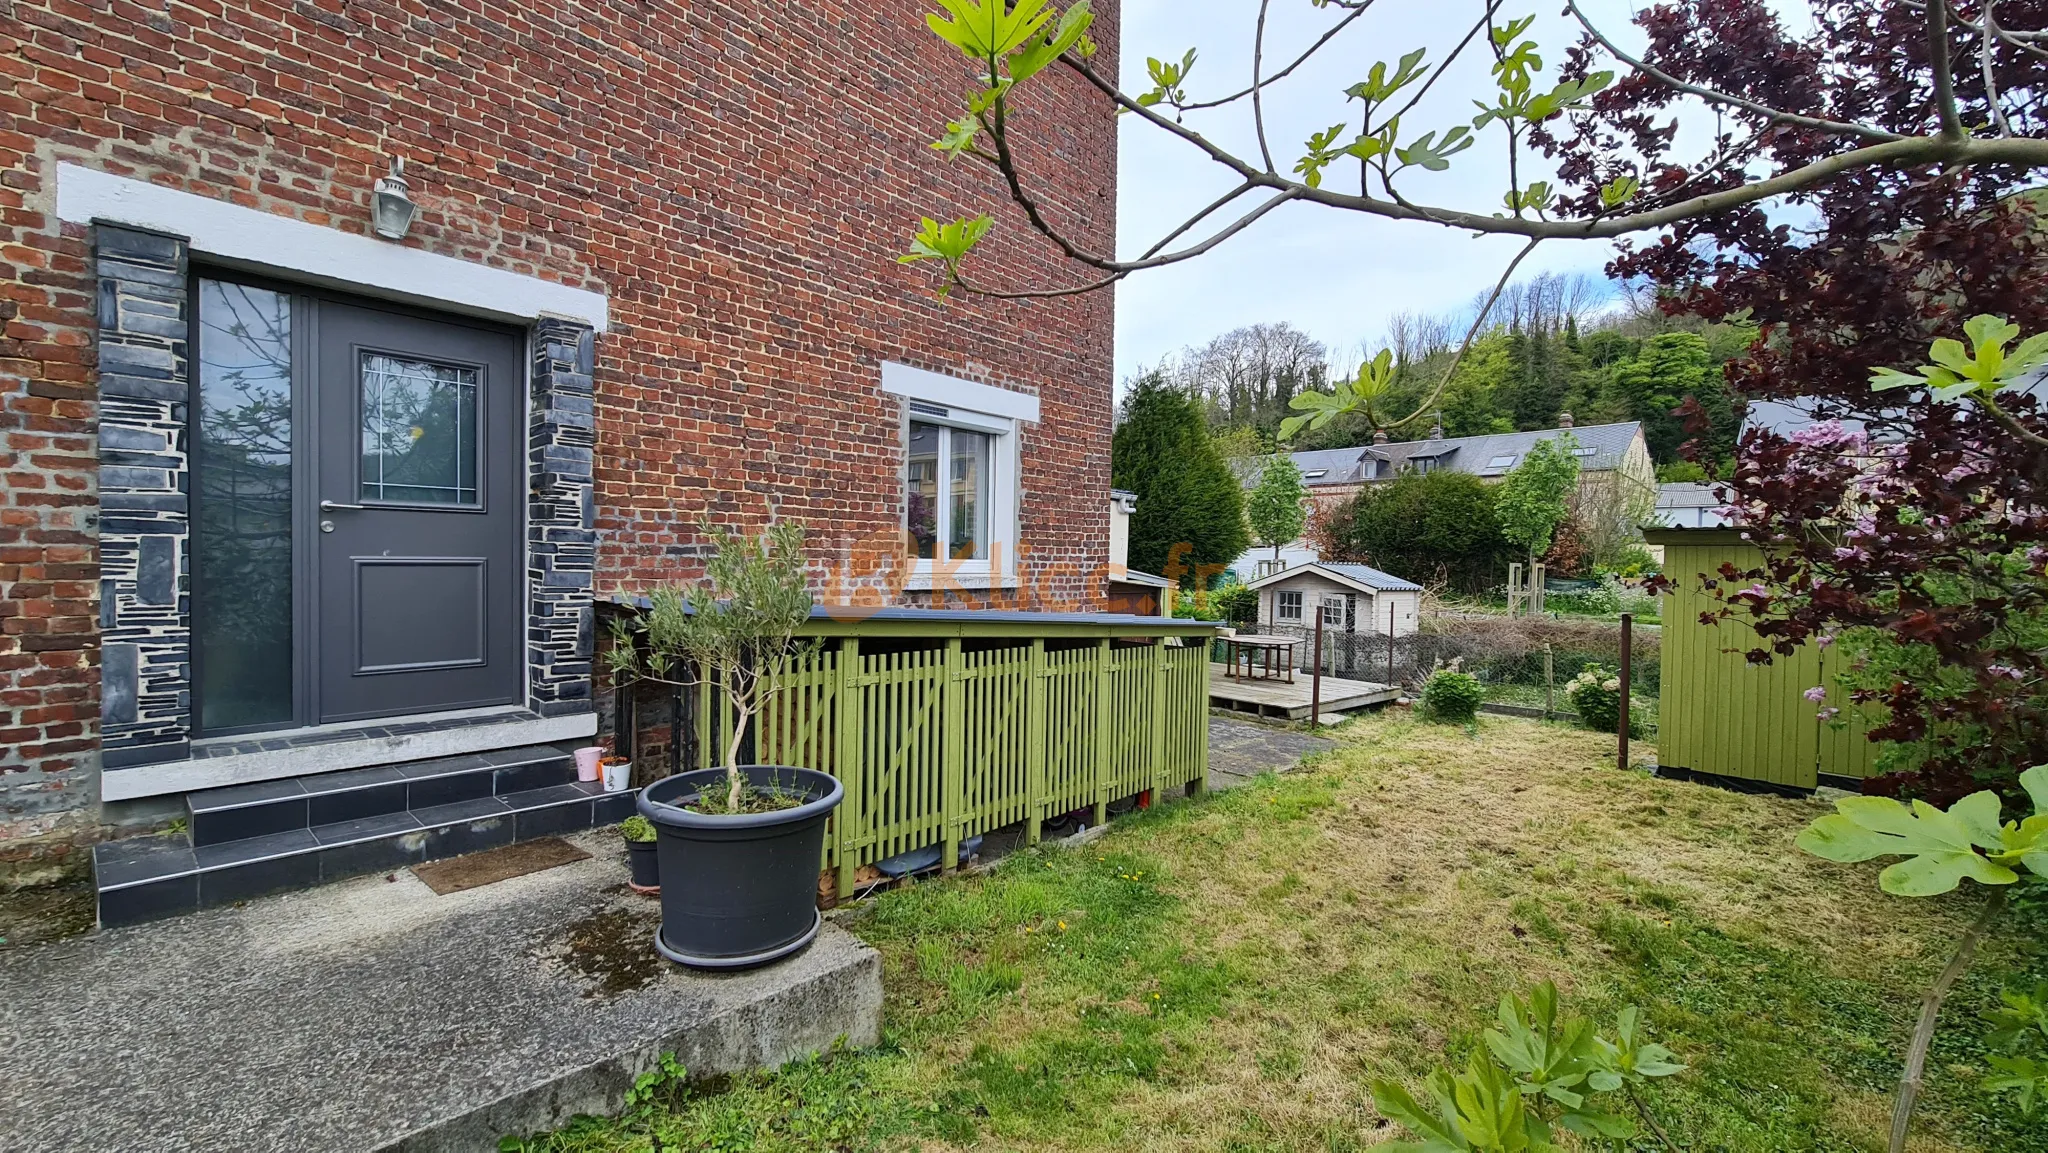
{"x": 1251, "y": 645}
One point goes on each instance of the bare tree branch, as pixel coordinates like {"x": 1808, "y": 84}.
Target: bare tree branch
{"x": 1944, "y": 79}
{"x": 1197, "y": 218}
{"x": 1258, "y": 94}
{"x": 1903, "y": 152}
{"x": 1984, "y": 52}
{"x": 1471, "y": 334}
{"x": 1357, "y": 10}
{"x": 1121, "y": 269}
{"x": 1776, "y": 115}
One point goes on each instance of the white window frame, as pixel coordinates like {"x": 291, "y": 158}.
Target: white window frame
{"x": 933, "y": 398}
{"x": 1284, "y": 609}
{"x": 1332, "y": 603}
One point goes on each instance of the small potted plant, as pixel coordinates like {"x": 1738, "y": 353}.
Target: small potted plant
{"x": 615, "y": 771}
{"x": 738, "y": 846}
{"x": 639, "y": 834}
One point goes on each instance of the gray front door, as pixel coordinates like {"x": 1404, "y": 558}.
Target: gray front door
{"x": 418, "y": 557}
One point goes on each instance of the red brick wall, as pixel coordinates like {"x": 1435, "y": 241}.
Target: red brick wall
{"x": 738, "y": 177}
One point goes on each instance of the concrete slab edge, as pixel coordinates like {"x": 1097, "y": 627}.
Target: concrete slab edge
{"x": 839, "y": 1003}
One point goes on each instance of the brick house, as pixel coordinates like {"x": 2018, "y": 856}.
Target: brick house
{"x": 283, "y": 494}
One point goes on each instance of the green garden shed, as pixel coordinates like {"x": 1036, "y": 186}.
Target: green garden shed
{"x": 1721, "y": 716}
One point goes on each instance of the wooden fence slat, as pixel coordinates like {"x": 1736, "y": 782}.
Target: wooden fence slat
{"x": 953, "y": 756}
{"x": 936, "y": 745}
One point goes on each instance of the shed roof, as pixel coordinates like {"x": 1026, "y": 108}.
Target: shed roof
{"x": 1366, "y": 577}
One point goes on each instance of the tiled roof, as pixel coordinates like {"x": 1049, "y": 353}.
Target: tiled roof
{"x": 1604, "y": 447}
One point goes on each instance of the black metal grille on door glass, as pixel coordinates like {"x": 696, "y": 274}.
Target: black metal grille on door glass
{"x": 419, "y": 431}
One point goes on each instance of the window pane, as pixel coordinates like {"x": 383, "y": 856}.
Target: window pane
{"x": 242, "y": 522}
{"x": 968, "y": 527}
{"x": 921, "y": 487}
{"x": 419, "y": 431}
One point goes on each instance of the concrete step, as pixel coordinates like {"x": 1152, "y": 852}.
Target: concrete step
{"x": 249, "y": 840}
{"x": 379, "y": 1015}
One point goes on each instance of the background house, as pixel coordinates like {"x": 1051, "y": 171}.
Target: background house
{"x": 1614, "y": 461}
{"x": 289, "y": 494}
{"x": 1617, "y": 480}
{"x": 1689, "y": 504}
{"x": 1350, "y": 598}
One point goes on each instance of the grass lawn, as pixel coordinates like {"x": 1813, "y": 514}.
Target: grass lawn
{"x": 1229, "y": 974}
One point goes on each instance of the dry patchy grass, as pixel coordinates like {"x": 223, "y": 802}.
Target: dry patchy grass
{"x": 1230, "y": 974}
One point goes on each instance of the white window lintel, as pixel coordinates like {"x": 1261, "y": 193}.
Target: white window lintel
{"x": 952, "y": 392}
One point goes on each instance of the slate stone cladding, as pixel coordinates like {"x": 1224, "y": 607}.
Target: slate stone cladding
{"x": 144, "y": 390}
{"x": 561, "y": 529}
{"x": 737, "y": 179}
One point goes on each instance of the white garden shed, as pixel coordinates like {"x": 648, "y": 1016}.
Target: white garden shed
{"x": 1352, "y": 598}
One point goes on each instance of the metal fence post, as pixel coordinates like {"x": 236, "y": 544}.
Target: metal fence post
{"x": 1628, "y": 621}
{"x": 1549, "y": 683}
{"x": 1392, "y": 679}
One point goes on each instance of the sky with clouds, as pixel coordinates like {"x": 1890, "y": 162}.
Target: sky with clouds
{"x": 1334, "y": 274}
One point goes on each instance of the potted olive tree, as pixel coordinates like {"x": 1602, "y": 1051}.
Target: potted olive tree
{"x": 737, "y": 846}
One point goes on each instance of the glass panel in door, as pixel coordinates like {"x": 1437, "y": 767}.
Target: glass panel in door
{"x": 242, "y": 514}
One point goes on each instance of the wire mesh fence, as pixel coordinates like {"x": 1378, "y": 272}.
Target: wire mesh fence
{"x": 1523, "y": 663}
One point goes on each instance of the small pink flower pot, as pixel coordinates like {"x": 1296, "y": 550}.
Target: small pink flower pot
{"x": 587, "y": 761}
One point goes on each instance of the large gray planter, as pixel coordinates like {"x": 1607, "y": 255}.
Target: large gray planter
{"x": 739, "y": 891}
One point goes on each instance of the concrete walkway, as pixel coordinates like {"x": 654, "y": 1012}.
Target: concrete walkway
{"x": 373, "y": 1014}
{"x": 1241, "y": 750}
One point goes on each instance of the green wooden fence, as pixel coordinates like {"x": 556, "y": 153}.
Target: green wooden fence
{"x": 938, "y": 744}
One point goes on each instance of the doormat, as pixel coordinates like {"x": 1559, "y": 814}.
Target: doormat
{"x": 494, "y": 865}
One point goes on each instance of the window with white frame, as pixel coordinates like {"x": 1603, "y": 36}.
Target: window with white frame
{"x": 1333, "y": 612}
{"x": 1287, "y": 606}
{"x": 961, "y": 463}
{"x": 946, "y": 510}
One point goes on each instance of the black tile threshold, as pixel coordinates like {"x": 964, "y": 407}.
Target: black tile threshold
{"x": 151, "y": 878}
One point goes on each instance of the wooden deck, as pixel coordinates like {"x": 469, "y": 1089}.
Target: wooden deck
{"x": 1280, "y": 699}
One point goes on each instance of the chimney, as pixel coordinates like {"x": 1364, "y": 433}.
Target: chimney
{"x": 1436, "y": 431}
{"x": 1564, "y": 420}
{"x": 1379, "y": 436}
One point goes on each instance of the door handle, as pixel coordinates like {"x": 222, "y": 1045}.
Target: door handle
{"x": 334, "y": 506}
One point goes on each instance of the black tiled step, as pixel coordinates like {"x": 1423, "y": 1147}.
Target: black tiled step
{"x": 143, "y": 879}
{"x": 240, "y": 812}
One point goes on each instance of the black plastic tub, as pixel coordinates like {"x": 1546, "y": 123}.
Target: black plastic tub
{"x": 641, "y": 856}
{"x": 739, "y": 891}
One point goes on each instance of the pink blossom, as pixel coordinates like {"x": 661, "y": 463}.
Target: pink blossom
{"x": 1829, "y": 434}
{"x": 1816, "y": 694}
{"x": 1827, "y": 714}
{"x": 1825, "y": 640}
{"x": 2008, "y": 672}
